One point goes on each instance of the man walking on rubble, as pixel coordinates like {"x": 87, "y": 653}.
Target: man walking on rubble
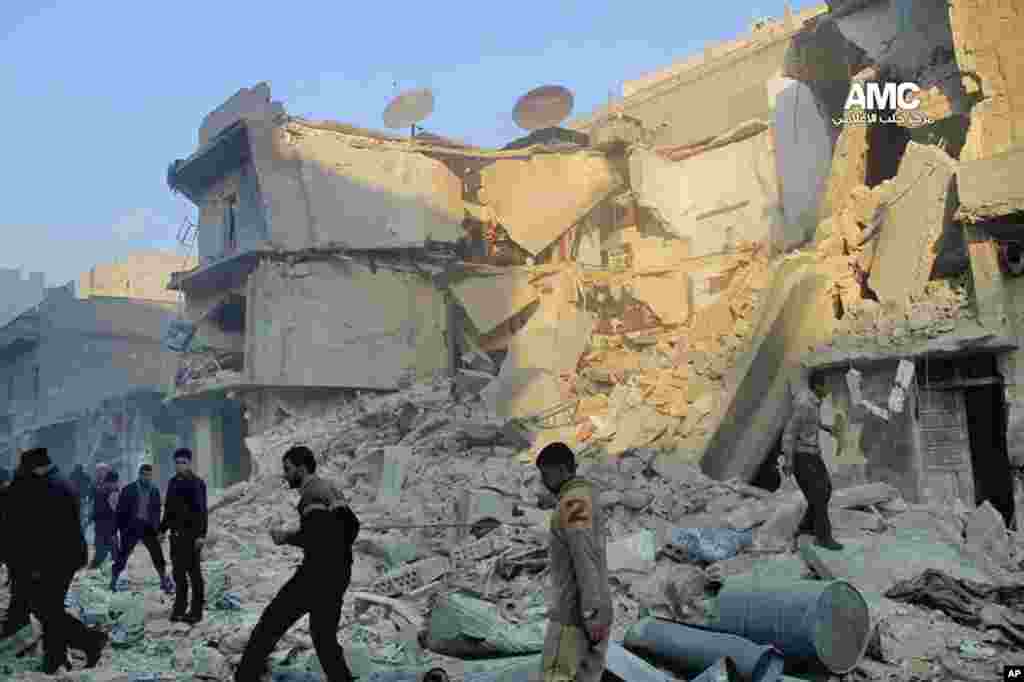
{"x": 185, "y": 515}
{"x": 327, "y": 529}
{"x": 138, "y": 517}
{"x": 801, "y": 456}
{"x": 576, "y": 642}
{"x": 52, "y": 511}
{"x": 104, "y": 518}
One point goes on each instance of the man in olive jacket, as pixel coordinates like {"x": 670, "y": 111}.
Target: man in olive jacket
{"x": 580, "y": 617}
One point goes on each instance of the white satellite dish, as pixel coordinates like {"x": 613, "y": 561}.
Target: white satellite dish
{"x": 409, "y": 108}
{"x": 543, "y": 107}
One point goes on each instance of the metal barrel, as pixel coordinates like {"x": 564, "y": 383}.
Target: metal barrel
{"x": 824, "y": 622}
{"x": 691, "y": 651}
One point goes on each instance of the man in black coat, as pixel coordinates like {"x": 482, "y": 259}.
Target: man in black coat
{"x": 17, "y": 608}
{"x": 49, "y": 500}
{"x": 138, "y": 518}
{"x": 185, "y": 516}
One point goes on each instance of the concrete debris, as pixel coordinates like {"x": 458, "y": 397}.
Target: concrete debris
{"x": 987, "y": 190}
{"x": 410, "y": 481}
{"x": 489, "y": 301}
{"x": 919, "y": 211}
{"x": 536, "y": 201}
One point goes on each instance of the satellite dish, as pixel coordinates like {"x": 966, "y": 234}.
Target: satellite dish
{"x": 543, "y": 107}
{"x": 409, "y": 108}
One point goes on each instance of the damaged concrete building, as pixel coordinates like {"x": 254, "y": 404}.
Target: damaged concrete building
{"x": 913, "y": 253}
{"x": 83, "y": 372}
{"x": 653, "y": 277}
{"x": 18, "y": 293}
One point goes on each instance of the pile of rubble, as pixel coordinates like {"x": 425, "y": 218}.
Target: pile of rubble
{"x": 454, "y": 517}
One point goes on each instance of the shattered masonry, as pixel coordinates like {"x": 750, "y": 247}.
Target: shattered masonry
{"x": 427, "y": 316}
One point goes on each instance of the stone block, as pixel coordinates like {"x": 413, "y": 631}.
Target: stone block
{"x": 920, "y": 210}
{"x": 990, "y": 188}
{"x": 986, "y": 532}
{"x": 988, "y": 39}
{"x": 993, "y": 130}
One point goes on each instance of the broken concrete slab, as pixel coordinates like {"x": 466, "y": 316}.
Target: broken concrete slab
{"x": 490, "y": 300}
{"x": 537, "y": 199}
{"x": 522, "y": 392}
{"x": 667, "y": 296}
{"x": 863, "y": 495}
{"x": 875, "y": 563}
{"x": 384, "y": 329}
{"x": 469, "y": 382}
{"x": 615, "y": 132}
{"x": 989, "y": 43}
{"x": 713, "y": 200}
{"x": 396, "y": 460}
{"x": 992, "y": 131}
{"x": 986, "y": 532}
{"x": 990, "y": 188}
{"x": 920, "y": 210}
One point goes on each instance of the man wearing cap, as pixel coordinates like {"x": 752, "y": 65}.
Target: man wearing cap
{"x": 50, "y": 501}
{"x": 185, "y": 516}
{"x": 138, "y": 518}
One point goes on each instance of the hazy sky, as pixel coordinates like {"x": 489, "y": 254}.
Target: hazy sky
{"x": 99, "y": 97}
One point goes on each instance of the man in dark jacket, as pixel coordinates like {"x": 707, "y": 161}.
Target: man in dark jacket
{"x": 138, "y": 518}
{"x": 185, "y": 516}
{"x": 5, "y": 484}
{"x": 17, "y": 609}
{"x": 83, "y": 486}
{"x": 318, "y": 586}
{"x": 104, "y": 516}
{"x": 49, "y": 500}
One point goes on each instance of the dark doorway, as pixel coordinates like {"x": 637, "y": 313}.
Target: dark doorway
{"x": 886, "y": 144}
{"x": 768, "y": 476}
{"x": 986, "y": 426}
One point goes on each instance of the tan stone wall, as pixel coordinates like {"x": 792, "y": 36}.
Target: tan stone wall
{"x": 988, "y": 36}
{"x": 142, "y": 275}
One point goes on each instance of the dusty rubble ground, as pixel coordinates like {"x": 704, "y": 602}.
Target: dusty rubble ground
{"x": 418, "y": 458}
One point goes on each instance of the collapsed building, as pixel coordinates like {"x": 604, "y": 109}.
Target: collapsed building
{"x": 651, "y": 277}
{"x": 84, "y": 371}
{"x": 644, "y": 296}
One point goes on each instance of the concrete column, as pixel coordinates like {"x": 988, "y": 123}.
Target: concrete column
{"x": 803, "y": 156}
{"x": 208, "y": 455}
{"x": 989, "y": 291}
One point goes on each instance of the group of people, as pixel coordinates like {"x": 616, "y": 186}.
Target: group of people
{"x": 42, "y": 557}
{"x": 580, "y": 615}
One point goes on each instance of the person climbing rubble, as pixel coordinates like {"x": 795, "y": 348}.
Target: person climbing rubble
{"x": 104, "y": 518}
{"x": 576, "y": 643}
{"x": 138, "y": 518}
{"x": 186, "y": 517}
{"x": 327, "y": 529}
{"x": 801, "y": 457}
{"x": 49, "y": 500}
